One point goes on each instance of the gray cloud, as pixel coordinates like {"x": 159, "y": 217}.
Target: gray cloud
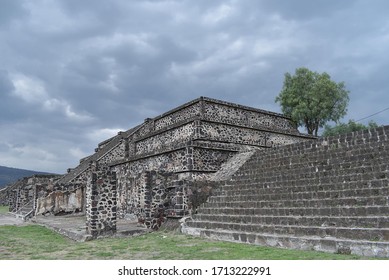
{"x": 11, "y": 10}
{"x": 306, "y": 10}
{"x": 75, "y": 72}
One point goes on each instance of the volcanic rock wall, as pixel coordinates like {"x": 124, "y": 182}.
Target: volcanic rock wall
{"x": 101, "y": 201}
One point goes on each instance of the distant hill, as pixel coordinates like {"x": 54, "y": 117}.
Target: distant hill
{"x": 10, "y": 175}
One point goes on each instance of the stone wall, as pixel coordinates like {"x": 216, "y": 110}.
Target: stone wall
{"x": 20, "y": 194}
{"x": 27, "y": 190}
{"x": 151, "y": 197}
{"x": 213, "y": 120}
{"x": 165, "y": 140}
{"x": 224, "y": 112}
{"x": 63, "y": 198}
{"x": 145, "y": 197}
{"x": 181, "y": 114}
{"x": 101, "y": 201}
{"x": 4, "y": 197}
{"x": 114, "y": 154}
{"x": 60, "y": 202}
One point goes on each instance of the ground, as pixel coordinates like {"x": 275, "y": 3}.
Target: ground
{"x": 29, "y": 240}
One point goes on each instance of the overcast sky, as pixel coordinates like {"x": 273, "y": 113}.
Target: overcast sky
{"x": 75, "y": 72}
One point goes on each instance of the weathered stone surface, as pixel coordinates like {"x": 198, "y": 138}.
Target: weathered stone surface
{"x": 23, "y": 194}
{"x": 329, "y": 195}
{"x": 101, "y": 213}
{"x": 158, "y": 163}
{"x": 59, "y": 202}
{"x": 242, "y": 174}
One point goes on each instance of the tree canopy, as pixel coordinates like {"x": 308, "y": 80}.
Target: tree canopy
{"x": 312, "y": 99}
{"x": 347, "y": 127}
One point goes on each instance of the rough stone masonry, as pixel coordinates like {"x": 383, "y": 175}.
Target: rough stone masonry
{"x": 162, "y": 168}
{"x": 235, "y": 173}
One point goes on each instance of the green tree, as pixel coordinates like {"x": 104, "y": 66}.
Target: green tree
{"x": 312, "y": 99}
{"x": 347, "y": 127}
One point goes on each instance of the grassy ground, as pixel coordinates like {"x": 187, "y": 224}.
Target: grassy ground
{"x": 36, "y": 242}
{"x": 4, "y": 209}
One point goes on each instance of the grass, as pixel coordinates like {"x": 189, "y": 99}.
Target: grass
{"x": 37, "y": 242}
{"x": 4, "y": 209}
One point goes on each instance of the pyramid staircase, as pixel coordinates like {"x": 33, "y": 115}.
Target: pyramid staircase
{"x": 328, "y": 195}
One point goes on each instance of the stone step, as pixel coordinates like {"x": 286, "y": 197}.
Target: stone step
{"x": 329, "y": 244}
{"x": 326, "y": 161}
{"x": 374, "y": 187}
{"x": 311, "y": 184}
{"x": 339, "y": 157}
{"x": 316, "y": 166}
{"x": 281, "y": 200}
{"x": 317, "y": 149}
{"x": 285, "y": 194}
{"x": 18, "y": 216}
{"x": 21, "y": 215}
{"x": 336, "y": 221}
{"x": 335, "y": 176}
{"x": 330, "y": 195}
{"x": 274, "y": 173}
{"x": 292, "y": 193}
{"x": 297, "y": 211}
{"x": 322, "y": 162}
{"x": 371, "y": 234}
{"x": 24, "y": 213}
{"x": 25, "y": 209}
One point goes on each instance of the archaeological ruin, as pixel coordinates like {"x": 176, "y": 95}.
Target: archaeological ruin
{"x": 228, "y": 172}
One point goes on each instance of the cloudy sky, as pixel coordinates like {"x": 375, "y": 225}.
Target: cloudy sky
{"x": 73, "y": 73}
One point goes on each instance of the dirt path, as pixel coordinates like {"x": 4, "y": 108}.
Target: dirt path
{"x": 9, "y": 220}
{"x": 72, "y": 226}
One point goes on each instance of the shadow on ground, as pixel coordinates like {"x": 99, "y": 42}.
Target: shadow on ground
{"x": 73, "y": 226}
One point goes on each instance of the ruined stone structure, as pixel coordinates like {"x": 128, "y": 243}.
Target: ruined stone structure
{"x": 24, "y": 195}
{"x": 239, "y": 173}
{"x": 157, "y": 163}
